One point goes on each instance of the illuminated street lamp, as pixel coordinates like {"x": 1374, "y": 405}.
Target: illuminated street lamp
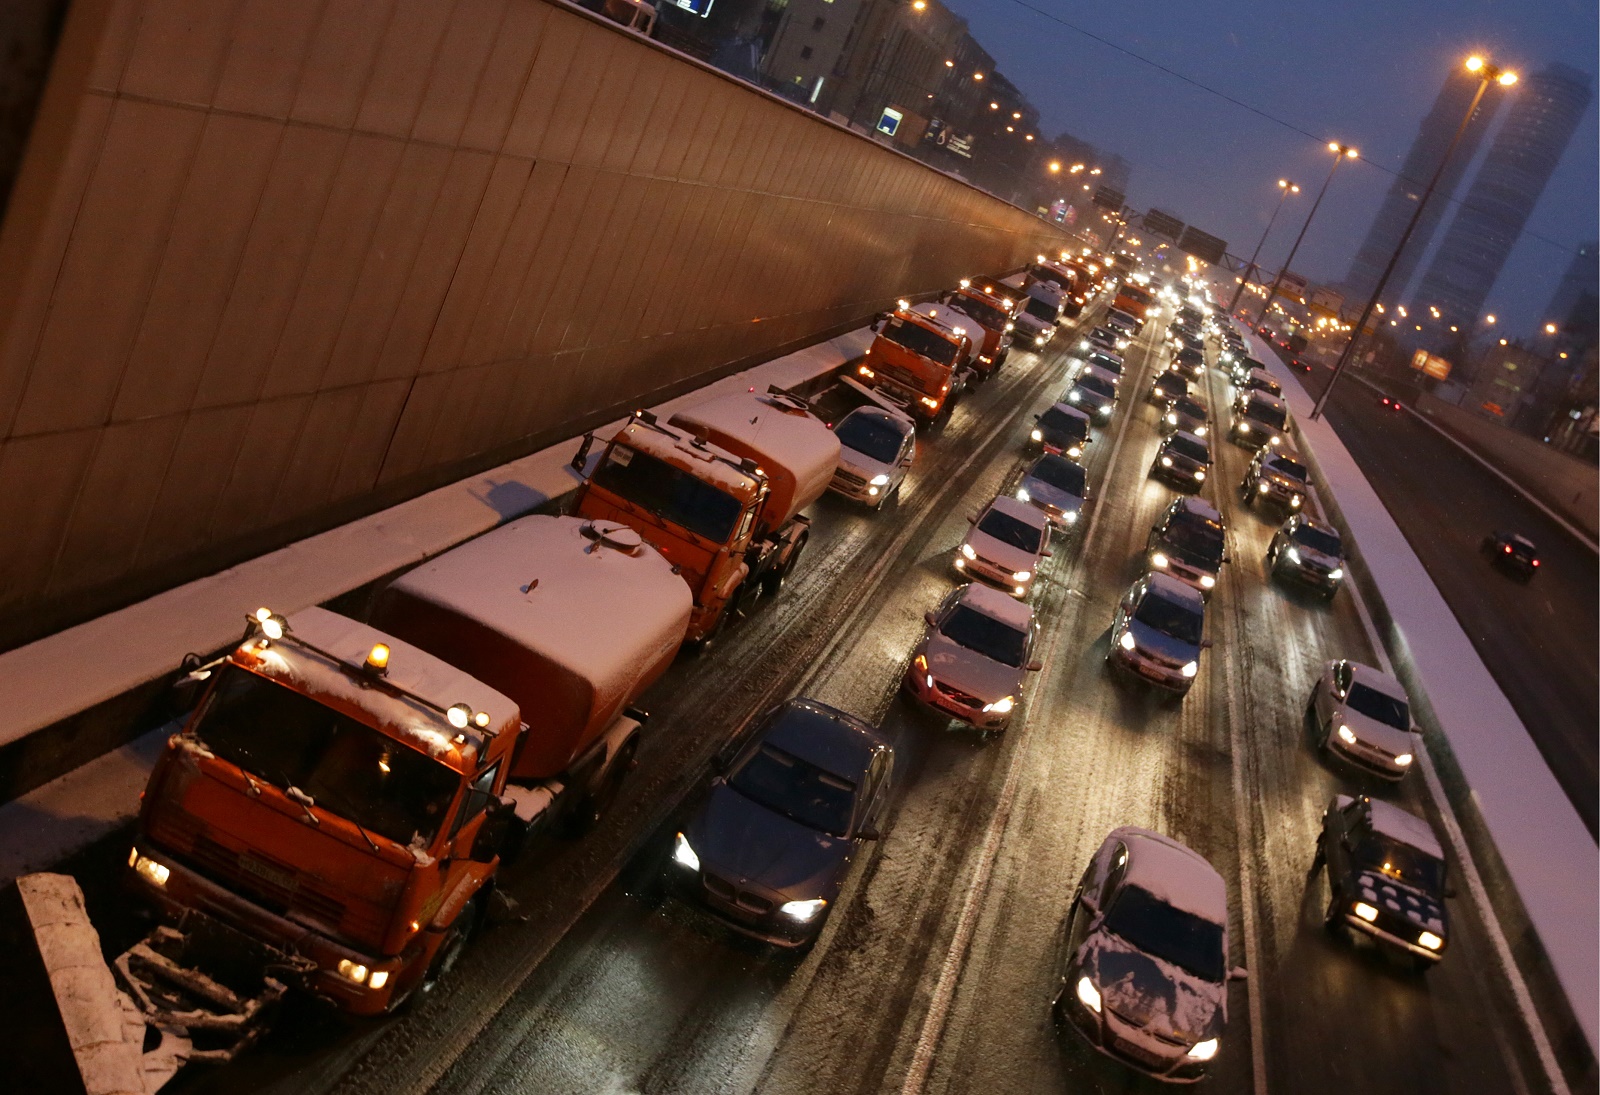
{"x": 1285, "y": 188}
{"x": 1549, "y": 328}
{"x": 1055, "y": 167}
{"x": 1341, "y": 153}
{"x": 1486, "y": 74}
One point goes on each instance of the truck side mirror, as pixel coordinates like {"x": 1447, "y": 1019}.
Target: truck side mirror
{"x": 492, "y": 834}
{"x": 581, "y": 457}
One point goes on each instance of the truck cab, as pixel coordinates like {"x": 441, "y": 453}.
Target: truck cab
{"x": 335, "y": 796}
{"x": 919, "y": 358}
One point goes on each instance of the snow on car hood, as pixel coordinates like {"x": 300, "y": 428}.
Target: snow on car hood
{"x": 1312, "y": 555}
{"x": 971, "y": 672}
{"x": 1040, "y": 491}
{"x": 1160, "y": 645}
{"x": 742, "y": 840}
{"x": 1389, "y": 738}
{"x": 1161, "y": 998}
{"x": 859, "y": 463}
{"x": 1000, "y": 552}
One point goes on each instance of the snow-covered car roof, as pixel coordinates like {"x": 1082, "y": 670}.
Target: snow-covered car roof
{"x": 1378, "y": 681}
{"x": 1396, "y": 824}
{"x": 1198, "y": 506}
{"x": 1070, "y": 410}
{"x": 997, "y": 605}
{"x": 1174, "y": 873}
{"x": 1174, "y": 590}
{"x": 1020, "y": 510}
{"x": 1301, "y": 520}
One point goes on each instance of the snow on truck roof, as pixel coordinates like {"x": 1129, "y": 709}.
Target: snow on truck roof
{"x": 780, "y": 427}
{"x": 717, "y": 466}
{"x": 411, "y": 669}
{"x": 589, "y": 596}
{"x": 1174, "y": 873}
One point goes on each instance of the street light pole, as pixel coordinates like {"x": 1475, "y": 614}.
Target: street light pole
{"x": 1486, "y": 73}
{"x": 1288, "y": 188}
{"x": 1339, "y": 153}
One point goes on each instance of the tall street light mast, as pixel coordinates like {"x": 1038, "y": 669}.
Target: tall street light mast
{"x": 1285, "y": 188}
{"x": 1340, "y": 153}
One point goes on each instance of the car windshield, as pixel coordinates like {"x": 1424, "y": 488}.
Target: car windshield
{"x": 1040, "y": 309}
{"x": 1401, "y": 861}
{"x": 1097, "y": 385}
{"x": 1286, "y": 467}
{"x": 1270, "y": 414}
{"x": 994, "y": 639}
{"x": 1059, "y": 472}
{"x": 796, "y": 788}
{"x": 1317, "y": 540}
{"x": 1173, "y": 384}
{"x": 1189, "y": 356}
{"x": 1375, "y": 705}
{"x": 919, "y": 340}
{"x": 1009, "y": 530}
{"x": 347, "y": 768}
{"x": 1170, "y": 618}
{"x": 871, "y": 436}
{"x": 668, "y": 492}
{"x": 1186, "y": 446}
{"x": 986, "y": 314}
{"x": 1105, "y": 334}
{"x": 1191, "y": 408}
{"x": 1189, "y": 942}
{"x": 1106, "y": 361}
{"x": 1195, "y": 541}
{"x": 1059, "y": 421}
{"x": 1264, "y": 384}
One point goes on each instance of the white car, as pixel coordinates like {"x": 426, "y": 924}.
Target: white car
{"x": 1005, "y": 546}
{"x": 1039, "y": 316}
{"x": 1143, "y": 973}
{"x": 876, "y": 449}
{"x": 974, "y": 657}
{"x": 1057, "y": 487}
{"x": 1361, "y": 715}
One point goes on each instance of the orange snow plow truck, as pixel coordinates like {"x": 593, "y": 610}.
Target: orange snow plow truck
{"x": 919, "y": 358}
{"x": 343, "y": 793}
{"x": 718, "y": 490}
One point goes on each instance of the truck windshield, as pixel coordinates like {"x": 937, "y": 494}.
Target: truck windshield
{"x": 919, "y": 340}
{"x": 290, "y": 740}
{"x": 871, "y": 436}
{"x": 668, "y": 492}
{"x": 994, "y": 639}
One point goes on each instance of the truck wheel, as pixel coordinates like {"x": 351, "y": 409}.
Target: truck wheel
{"x": 444, "y": 959}
{"x": 772, "y": 583}
{"x": 597, "y": 802}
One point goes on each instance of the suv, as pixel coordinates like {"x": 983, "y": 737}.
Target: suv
{"x": 1259, "y": 420}
{"x": 1274, "y": 477}
{"x": 1386, "y": 878}
{"x": 1309, "y": 552}
{"x": 1190, "y": 362}
{"x": 1185, "y": 413}
{"x": 1361, "y": 714}
{"x": 974, "y": 656}
{"x": 1157, "y": 633}
{"x": 1187, "y": 544}
{"x": 1182, "y": 460}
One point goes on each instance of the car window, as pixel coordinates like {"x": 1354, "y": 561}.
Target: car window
{"x": 994, "y": 639}
{"x": 1038, "y": 309}
{"x": 1286, "y": 467}
{"x": 1316, "y": 540}
{"x": 1170, "y": 618}
{"x": 871, "y": 436}
{"x": 1266, "y": 412}
{"x": 1059, "y": 421}
{"x": 1171, "y": 934}
{"x": 1097, "y": 385}
{"x": 1341, "y": 677}
{"x": 1114, "y": 876}
{"x": 1106, "y": 362}
{"x": 1009, "y": 530}
{"x": 1184, "y": 446}
{"x": 795, "y": 788}
{"x": 1189, "y": 407}
{"x": 1399, "y": 861}
{"x": 1059, "y": 472}
{"x": 1173, "y": 383}
{"x": 1375, "y": 705}
{"x": 1198, "y": 542}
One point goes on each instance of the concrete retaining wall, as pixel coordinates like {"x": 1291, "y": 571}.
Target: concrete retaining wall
{"x": 271, "y": 264}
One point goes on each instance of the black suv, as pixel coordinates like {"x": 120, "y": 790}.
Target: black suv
{"x": 1513, "y": 553}
{"x": 1308, "y": 552}
{"x": 1386, "y": 878}
{"x": 1275, "y": 478}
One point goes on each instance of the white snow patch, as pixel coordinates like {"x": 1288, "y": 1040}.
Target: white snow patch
{"x": 795, "y": 449}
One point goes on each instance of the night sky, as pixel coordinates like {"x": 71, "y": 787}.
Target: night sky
{"x": 1359, "y": 71}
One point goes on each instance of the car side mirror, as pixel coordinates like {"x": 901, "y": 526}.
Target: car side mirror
{"x": 721, "y": 762}
{"x": 1238, "y": 973}
{"x": 867, "y": 832}
{"x": 1046, "y": 553}
{"x": 1450, "y": 893}
{"x": 1033, "y": 667}
{"x": 1205, "y": 644}
{"x": 972, "y": 518}
{"x": 931, "y": 618}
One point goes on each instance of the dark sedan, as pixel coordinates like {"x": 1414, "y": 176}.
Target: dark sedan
{"x": 1512, "y": 553}
{"x": 769, "y": 850}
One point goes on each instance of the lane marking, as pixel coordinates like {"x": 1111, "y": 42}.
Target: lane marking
{"x": 938, "y": 1014}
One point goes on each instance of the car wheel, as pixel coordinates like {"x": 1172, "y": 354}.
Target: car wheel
{"x": 1319, "y": 859}
{"x": 1333, "y": 916}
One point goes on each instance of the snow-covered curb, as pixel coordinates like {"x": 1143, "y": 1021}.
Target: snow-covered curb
{"x": 73, "y": 670}
{"x": 1543, "y": 842}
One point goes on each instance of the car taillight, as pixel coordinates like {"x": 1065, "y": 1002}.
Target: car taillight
{"x": 1508, "y": 549}
{"x": 1536, "y": 562}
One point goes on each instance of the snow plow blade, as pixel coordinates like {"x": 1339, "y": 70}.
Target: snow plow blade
{"x": 197, "y": 992}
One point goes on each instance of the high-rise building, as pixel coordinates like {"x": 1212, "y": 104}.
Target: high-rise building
{"x": 1581, "y": 279}
{"x": 1400, "y": 203}
{"x": 1545, "y": 109}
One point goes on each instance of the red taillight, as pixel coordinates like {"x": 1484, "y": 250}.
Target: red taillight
{"x": 1508, "y": 549}
{"x": 1536, "y": 562}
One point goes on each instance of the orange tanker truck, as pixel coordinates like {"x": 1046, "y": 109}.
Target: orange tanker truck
{"x": 920, "y": 359}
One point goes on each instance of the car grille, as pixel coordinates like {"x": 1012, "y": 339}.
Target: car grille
{"x": 744, "y": 899}
{"x": 966, "y": 699}
{"x": 849, "y": 479}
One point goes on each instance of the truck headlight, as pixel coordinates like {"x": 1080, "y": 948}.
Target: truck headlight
{"x": 1365, "y": 911}
{"x": 803, "y": 910}
{"x": 1158, "y": 559}
{"x": 1203, "y": 1051}
{"x": 1001, "y": 706}
{"x": 1429, "y": 940}
{"x": 929, "y": 402}
{"x": 967, "y": 552}
{"x": 683, "y": 855}
{"x": 1088, "y": 995}
{"x": 353, "y": 971}
{"x": 1075, "y": 452}
{"x": 1294, "y": 500}
{"x": 1126, "y": 642}
{"x": 1037, "y": 435}
{"x": 866, "y": 372}
{"x": 152, "y": 870}
{"x": 1347, "y": 735}
{"x": 378, "y": 979}
{"x": 879, "y": 480}
{"x": 1023, "y": 495}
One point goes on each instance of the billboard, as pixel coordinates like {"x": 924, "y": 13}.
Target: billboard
{"x": 1431, "y": 365}
{"x": 939, "y": 132}
{"x": 1203, "y": 246}
{"x": 889, "y": 121}
{"x": 1327, "y": 300}
{"x": 1107, "y": 198}
{"x": 1291, "y": 284}
{"x": 1159, "y": 223}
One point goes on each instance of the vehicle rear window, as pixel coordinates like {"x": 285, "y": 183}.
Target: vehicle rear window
{"x": 1009, "y": 530}
{"x": 994, "y": 639}
{"x": 1184, "y": 446}
{"x": 1189, "y": 407}
{"x": 1059, "y": 421}
{"x": 347, "y": 768}
{"x": 1170, "y": 618}
{"x": 919, "y": 340}
{"x": 1270, "y": 414}
{"x": 1317, "y": 540}
{"x": 1187, "y": 941}
{"x": 796, "y": 789}
{"x": 1059, "y": 472}
{"x": 871, "y": 436}
{"x": 1097, "y": 385}
{"x": 668, "y": 492}
{"x": 1375, "y": 705}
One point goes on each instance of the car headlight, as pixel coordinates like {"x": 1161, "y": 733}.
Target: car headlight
{"x": 1207, "y": 581}
{"x": 683, "y": 855}
{"x": 1011, "y": 326}
{"x": 1023, "y": 495}
{"x": 1022, "y": 576}
{"x": 152, "y": 870}
{"x": 1075, "y": 452}
{"x": 1083, "y": 344}
{"x": 1199, "y": 431}
{"x": 1336, "y": 573}
{"x": 1199, "y": 476}
{"x": 967, "y": 552}
{"x": 1190, "y": 669}
{"x": 1244, "y": 427}
{"x": 1037, "y": 435}
{"x": 1294, "y": 499}
{"x": 1070, "y": 517}
{"x": 1074, "y": 397}
{"x": 879, "y": 480}
{"x": 1429, "y": 940}
{"x": 1001, "y": 706}
{"x": 872, "y": 492}
{"x": 1158, "y": 559}
{"x": 1274, "y": 439}
{"x": 1261, "y": 488}
{"x": 1365, "y": 911}
{"x": 803, "y": 910}
{"x": 1039, "y": 340}
{"x": 1294, "y": 555}
{"x": 1126, "y": 641}
{"x": 1172, "y": 419}
{"x": 1203, "y": 1051}
{"x": 1104, "y": 412}
{"x": 1403, "y": 760}
{"x": 1088, "y": 995}
{"x": 1166, "y": 461}
{"x": 1346, "y": 734}
{"x": 1020, "y": 591}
